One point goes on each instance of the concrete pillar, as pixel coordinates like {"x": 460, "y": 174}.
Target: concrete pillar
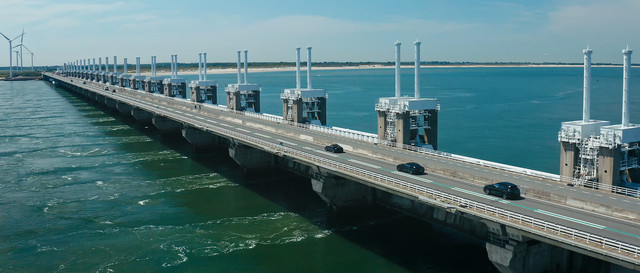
{"x": 285, "y": 108}
{"x": 296, "y": 110}
{"x": 256, "y": 98}
{"x": 212, "y": 94}
{"x": 250, "y": 158}
{"x": 147, "y": 86}
{"x": 568, "y": 159}
{"x": 322, "y": 106}
{"x": 141, "y": 115}
{"x": 431, "y": 134}
{"x": 341, "y": 193}
{"x": 382, "y": 124}
{"x": 233, "y": 101}
{"x": 182, "y": 90}
{"x": 195, "y": 94}
{"x": 538, "y": 257}
{"x": 198, "y": 137}
{"x": 111, "y": 103}
{"x": 167, "y": 91}
{"x": 166, "y": 125}
{"x": 609, "y": 166}
{"x": 123, "y": 108}
{"x": 402, "y": 128}
{"x": 527, "y": 257}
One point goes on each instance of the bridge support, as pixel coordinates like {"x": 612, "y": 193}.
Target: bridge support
{"x": 123, "y": 108}
{"x": 141, "y": 115}
{"x": 341, "y": 193}
{"x": 538, "y": 257}
{"x": 609, "y": 166}
{"x": 568, "y": 158}
{"x": 250, "y": 158}
{"x": 199, "y": 138}
{"x": 111, "y": 103}
{"x": 165, "y": 125}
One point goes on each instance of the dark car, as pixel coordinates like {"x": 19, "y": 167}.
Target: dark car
{"x": 503, "y": 189}
{"x": 411, "y": 167}
{"x": 334, "y": 148}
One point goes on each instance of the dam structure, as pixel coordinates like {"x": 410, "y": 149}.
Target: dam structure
{"x": 554, "y": 227}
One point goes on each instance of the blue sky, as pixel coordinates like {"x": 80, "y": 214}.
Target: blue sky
{"x": 450, "y": 30}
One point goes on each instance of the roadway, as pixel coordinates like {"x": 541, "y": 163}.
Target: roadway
{"x": 213, "y": 116}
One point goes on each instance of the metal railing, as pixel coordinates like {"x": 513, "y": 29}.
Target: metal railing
{"x": 600, "y": 186}
{"x": 480, "y": 162}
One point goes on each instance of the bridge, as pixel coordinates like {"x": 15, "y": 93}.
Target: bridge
{"x": 555, "y": 226}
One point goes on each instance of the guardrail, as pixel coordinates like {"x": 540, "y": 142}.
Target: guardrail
{"x": 586, "y": 239}
{"x": 635, "y": 193}
{"x": 480, "y": 162}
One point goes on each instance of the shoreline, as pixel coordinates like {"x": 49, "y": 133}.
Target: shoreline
{"x": 288, "y": 69}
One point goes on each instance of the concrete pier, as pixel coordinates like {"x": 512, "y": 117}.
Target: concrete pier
{"x": 250, "y": 158}
{"x": 124, "y": 108}
{"x": 199, "y": 138}
{"x": 141, "y": 115}
{"x": 165, "y": 125}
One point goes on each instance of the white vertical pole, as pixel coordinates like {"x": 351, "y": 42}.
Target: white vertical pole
{"x": 204, "y": 66}
{"x": 308, "y": 67}
{"x": 100, "y": 64}
{"x": 625, "y": 86}
{"x": 10, "y": 60}
{"x": 115, "y": 63}
{"x": 586, "y": 96}
{"x": 239, "y": 67}
{"x": 298, "y": 68}
{"x": 417, "y": 72}
{"x": 246, "y": 71}
{"x": 137, "y": 66}
{"x": 199, "y": 66}
{"x": 125, "y": 68}
{"x": 153, "y": 66}
{"x": 397, "y": 69}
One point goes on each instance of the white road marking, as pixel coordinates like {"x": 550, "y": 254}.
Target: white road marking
{"x": 364, "y": 163}
{"x": 259, "y": 134}
{"x": 480, "y": 195}
{"x": 243, "y": 130}
{"x": 413, "y": 176}
{"x": 570, "y": 219}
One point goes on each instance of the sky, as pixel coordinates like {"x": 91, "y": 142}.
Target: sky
{"x": 338, "y": 30}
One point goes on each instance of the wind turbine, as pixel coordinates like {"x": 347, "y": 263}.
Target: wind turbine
{"x": 30, "y": 52}
{"x": 21, "y": 38}
{"x": 10, "y": 51}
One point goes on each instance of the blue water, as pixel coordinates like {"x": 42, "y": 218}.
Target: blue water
{"x": 85, "y": 190}
{"x": 509, "y": 115}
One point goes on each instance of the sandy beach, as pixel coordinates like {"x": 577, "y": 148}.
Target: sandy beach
{"x": 304, "y": 68}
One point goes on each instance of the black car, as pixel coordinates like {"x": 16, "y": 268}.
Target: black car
{"x": 411, "y": 167}
{"x": 503, "y": 189}
{"x": 334, "y": 148}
